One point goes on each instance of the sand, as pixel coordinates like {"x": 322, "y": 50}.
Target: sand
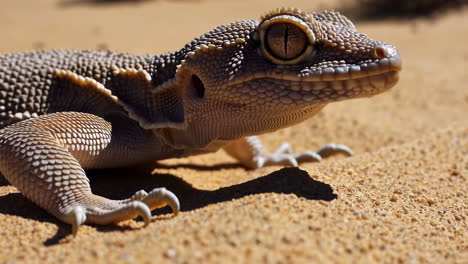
{"x": 401, "y": 198}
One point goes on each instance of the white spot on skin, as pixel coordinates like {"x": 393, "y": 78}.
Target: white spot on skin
{"x": 19, "y": 116}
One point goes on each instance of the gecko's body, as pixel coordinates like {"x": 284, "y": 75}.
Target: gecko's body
{"x": 99, "y": 109}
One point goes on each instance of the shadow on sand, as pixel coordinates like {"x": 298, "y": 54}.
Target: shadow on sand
{"x": 122, "y": 183}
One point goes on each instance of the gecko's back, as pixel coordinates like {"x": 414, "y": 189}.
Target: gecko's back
{"x": 31, "y": 83}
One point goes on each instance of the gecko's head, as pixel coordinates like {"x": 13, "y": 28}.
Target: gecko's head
{"x": 284, "y": 67}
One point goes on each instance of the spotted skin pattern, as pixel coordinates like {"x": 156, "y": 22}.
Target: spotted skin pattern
{"x": 62, "y": 112}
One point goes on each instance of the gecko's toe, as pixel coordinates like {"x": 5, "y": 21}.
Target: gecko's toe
{"x": 284, "y": 148}
{"x": 76, "y": 216}
{"x": 138, "y": 196}
{"x": 161, "y": 197}
{"x": 259, "y": 162}
{"x": 120, "y": 212}
{"x": 332, "y": 149}
{"x": 290, "y": 159}
{"x": 308, "y": 156}
{"x": 285, "y": 159}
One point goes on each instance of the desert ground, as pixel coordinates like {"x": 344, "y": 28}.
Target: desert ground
{"x": 401, "y": 199}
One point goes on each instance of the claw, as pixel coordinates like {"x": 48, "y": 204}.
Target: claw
{"x": 161, "y": 197}
{"x": 142, "y": 210}
{"x": 292, "y": 161}
{"x": 76, "y": 216}
{"x": 332, "y": 148}
{"x": 308, "y": 156}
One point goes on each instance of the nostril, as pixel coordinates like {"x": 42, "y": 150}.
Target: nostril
{"x": 380, "y": 52}
{"x": 198, "y": 86}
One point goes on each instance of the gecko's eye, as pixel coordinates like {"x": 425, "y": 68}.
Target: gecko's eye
{"x": 285, "y": 41}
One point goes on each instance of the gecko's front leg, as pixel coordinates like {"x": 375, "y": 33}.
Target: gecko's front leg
{"x": 44, "y": 158}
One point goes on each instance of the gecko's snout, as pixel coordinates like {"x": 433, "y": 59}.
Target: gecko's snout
{"x": 388, "y": 54}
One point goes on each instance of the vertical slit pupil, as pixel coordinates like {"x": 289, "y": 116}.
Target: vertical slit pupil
{"x": 199, "y": 86}
{"x": 286, "y": 32}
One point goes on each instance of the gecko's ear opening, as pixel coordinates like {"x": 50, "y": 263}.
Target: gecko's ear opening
{"x": 152, "y": 108}
{"x": 198, "y": 87}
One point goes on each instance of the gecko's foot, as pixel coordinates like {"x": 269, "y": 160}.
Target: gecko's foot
{"x": 284, "y": 156}
{"x": 98, "y": 210}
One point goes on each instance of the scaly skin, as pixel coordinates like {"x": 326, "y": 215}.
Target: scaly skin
{"x": 96, "y": 109}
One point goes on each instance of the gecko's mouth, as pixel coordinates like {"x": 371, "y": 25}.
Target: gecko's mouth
{"x": 322, "y": 91}
{"x": 329, "y": 84}
{"x": 321, "y": 75}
